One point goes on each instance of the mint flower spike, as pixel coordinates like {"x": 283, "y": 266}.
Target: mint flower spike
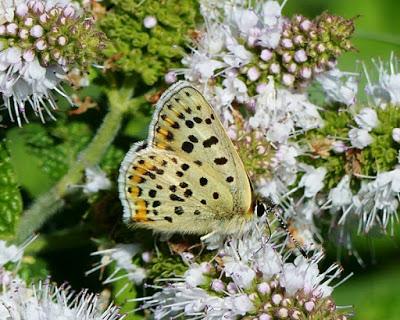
{"x": 40, "y": 42}
{"x": 252, "y": 276}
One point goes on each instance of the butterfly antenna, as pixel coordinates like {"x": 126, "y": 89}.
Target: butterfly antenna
{"x": 275, "y": 209}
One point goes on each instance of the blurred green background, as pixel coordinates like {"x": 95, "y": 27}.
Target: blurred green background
{"x": 374, "y": 290}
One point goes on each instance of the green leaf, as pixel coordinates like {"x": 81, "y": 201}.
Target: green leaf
{"x": 10, "y": 200}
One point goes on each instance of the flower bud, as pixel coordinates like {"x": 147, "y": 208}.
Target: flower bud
{"x": 309, "y": 306}
{"x": 36, "y": 31}
{"x": 170, "y": 77}
{"x": 12, "y": 28}
{"x": 283, "y": 313}
{"x": 263, "y": 288}
{"x": 69, "y": 12}
{"x": 23, "y": 34}
{"x": 288, "y": 79}
{"x": 217, "y": 285}
{"x": 28, "y": 55}
{"x": 277, "y": 299}
{"x": 150, "y": 22}
{"x": 306, "y": 25}
{"x": 28, "y": 22}
{"x": 306, "y": 73}
{"x": 264, "y": 316}
{"x": 62, "y": 41}
{"x": 41, "y": 45}
{"x": 21, "y": 10}
{"x": 396, "y": 134}
{"x": 287, "y": 43}
{"x": 275, "y": 68}
{"x": 300, "y": 56}
{"x": 266, "y": 55}
{"x": 253, "y": 74}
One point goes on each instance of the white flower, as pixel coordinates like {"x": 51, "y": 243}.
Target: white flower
{"x": 360, "y": 138}
{"x": 47, "y": 302}
{"x": 149, "y": 22}
{"x": 312, "y": 180}
{"x": 194, "y": 276}
{"x": 9, "y": 253}
{"x": 303, "y": 274}
{"x": 241, "y": 273}
{"x": 367, "y": 119}
{"x": 387, "y": 90}
{"x": 122, "y": 255}
{"x": 396, "y": 134}
{"x": 96, "y": 180}
{"x": 339, "y": 86}
{"x": 341, "y": 195}
{"x": 244, "y": 19}
{"x": 240, "y": 305}
{"x": 201, "y": 66}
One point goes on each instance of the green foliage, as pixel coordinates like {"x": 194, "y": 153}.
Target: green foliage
{"x": 164, "y": 266}
{"x": 10, "y": 200}
{"x": 150, "y": 53}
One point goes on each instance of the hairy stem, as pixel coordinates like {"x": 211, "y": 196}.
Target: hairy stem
{"x": 48, "y": 204}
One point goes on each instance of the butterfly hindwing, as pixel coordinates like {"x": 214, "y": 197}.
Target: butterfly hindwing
{"x": 187, "y": 177}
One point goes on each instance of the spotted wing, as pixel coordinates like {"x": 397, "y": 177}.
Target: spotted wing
{"x": 187, "y": 177}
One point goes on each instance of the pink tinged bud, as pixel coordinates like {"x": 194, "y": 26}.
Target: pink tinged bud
{"x": 276, "y": 299}
{"x": 283, "y": 313}
{"x": 147, "y": 256}
{"x": 306, "y": 73}
{"x": 306, "y": 25}
{"x": 253, "y": 74}
{"x": 69, "y": 12}
{"x": 300, "y": 56}
{"x": 36, "y": 31}
{"x": 339, "y": 146}
{"x": 28, "y": 55}
{"x": 309, "y": 306}
{"x": 43, "y": 18}
{"x": 275, "y": 68}
{"x": 286, "y": 57}
{"x": 63, "y": 20}
{"x": 261, "y": 87}
{"x": 205, "y": 267}
{"x": 62, "y": 61}
{"x": 266, "y": 55}
{"x": 22, "y": 10}
{"x": 62, "y": 41}
{"x": 12, "y": 28}
{"x": 231, "y": 288}
{"x": 263, "y": 288}
{"x": 28, "y": 22}
{"x": 321, "y": 48}
{"x": 299, "y": 39}
{"x": 170, "y": 77}
{"x": 295, "y": 315}
{"x": 217, "y": 285}
{"x": 2, "y": 30}
{"x": 41, "y": 45}
{"x": 251, "y": 104}
{"x": 287, "y": 43}
{"x": 149, "y": 22}
{"x": 264, "y": 316}
{"x": 288, "y": 79}
{"x": 37, "y": 6}
{"x": 56, "y": 54}
{"x": 23, "y": 34}
{"x": 55, "y": 12}
{"x": 396, "y": 134}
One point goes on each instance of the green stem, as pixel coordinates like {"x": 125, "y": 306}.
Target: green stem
{"x": 48, "y": 204}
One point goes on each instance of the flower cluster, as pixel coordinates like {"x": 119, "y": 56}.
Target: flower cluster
{"x": 40, "y": 41}
{"x": 45, "y": 300}
{"x": 251, "y": 44}
{"x": 250, "y": 277}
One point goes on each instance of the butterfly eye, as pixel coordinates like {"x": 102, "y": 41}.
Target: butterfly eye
{"x": 260, "y": 209}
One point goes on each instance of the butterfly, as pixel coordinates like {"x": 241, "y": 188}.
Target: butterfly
{"x": 187, "y": 176}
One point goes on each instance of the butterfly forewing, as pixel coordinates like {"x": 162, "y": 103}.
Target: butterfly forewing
{"x": 188, "y": 177}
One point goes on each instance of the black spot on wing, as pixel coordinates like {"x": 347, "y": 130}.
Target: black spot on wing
{"x": 187, "y": 147}
{"x": 215, "y": 195}
{"x": 178, "y": 210}
{"x": 188, "y": 193}
{"x": 220, "y": 161}
{"x": 203, "y": 181}
{"x": 185, "y": 166}
{"x": 169, "y": 219}
{"x": 210, "y": 141}
{"x": 174, "y": 197}
{"x": 193, "y": 138}
{"x": 229, "y": 179}
{"x": 152, "y": 193}
{"x": 197, "y": 120}
{"x": 189, "y": 124}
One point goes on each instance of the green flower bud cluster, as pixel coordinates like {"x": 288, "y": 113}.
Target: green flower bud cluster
{"x": 306, "y": 48}
{"x": 147, "y": 39}
{"x": 329, "y": 147}
{"x": 56, "y": 36}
